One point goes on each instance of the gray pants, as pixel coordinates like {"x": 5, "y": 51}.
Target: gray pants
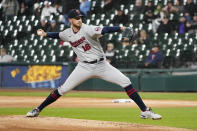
{"x": 102, "y": 70}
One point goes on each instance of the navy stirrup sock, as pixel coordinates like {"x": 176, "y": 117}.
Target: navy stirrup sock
{"x": 50, "y": 99}
{"x": 132, "y": 93}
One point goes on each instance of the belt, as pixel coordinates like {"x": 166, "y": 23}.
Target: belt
{"x": 93, "y": 62}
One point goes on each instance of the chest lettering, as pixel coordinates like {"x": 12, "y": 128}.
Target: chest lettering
{"x": 77, "y": 42}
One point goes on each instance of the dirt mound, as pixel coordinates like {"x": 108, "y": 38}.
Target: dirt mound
{"x": 22, "y": 123}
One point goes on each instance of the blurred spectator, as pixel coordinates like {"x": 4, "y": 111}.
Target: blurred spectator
{"x": 85, "y": 6}
{"x": 143, "y": 38}
{"x": 67, "y": 6}
{"x": 37, "y": 10}
{"x": 159, "y": 16}
{"x": 154, "y": 59}
{"x": 23, "y": 10}
{"x": 158, "y": 10}
{"x": 53, "y": 27}
{"x": 10, "y": 7}
{"x": 125, "y": 43}
{"x": 182, "y": 25}
{"x": 47, "y": 11}
{"x": 188, "y": 17}
{"x": 108, "y": 5}
{"x": 165, "y": 26}
{"x": 58, "y": 8}
{"x": 120, "y": 18}
{"x": 149, "y": 16}
{"x": 179, "y": 6}
{"x": 42, "y": 25}
{"x": 4, "y": 57}
{"x": 192, "y": 26}
{"x": 138, "y": 8}
{"x": 110, "y": 54}
{"x": 170, "y": 8}
{"x": 149, "y": 7}
{"x": 190, "y": 7}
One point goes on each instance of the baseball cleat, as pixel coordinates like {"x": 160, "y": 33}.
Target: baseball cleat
{"x": 33, "y": 113}
{"x": 150, "y": 114}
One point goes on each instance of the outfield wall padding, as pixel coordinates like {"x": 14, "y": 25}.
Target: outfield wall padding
{"x": 19, "y": 75}
{"x": 169, "y": 82}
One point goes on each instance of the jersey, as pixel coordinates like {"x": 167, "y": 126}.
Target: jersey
{"x": 85, "y": 43}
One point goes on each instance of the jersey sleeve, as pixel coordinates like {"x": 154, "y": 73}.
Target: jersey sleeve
{"x": 63, "y": 36}
{"x": 94, "y": 31}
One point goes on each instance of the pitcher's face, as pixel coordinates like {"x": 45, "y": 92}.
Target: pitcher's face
{"x": 76, "y": 22}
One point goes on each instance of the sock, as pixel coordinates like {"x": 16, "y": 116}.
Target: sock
{"x": 132, "y": 93}
{"x": 50, "y": 99}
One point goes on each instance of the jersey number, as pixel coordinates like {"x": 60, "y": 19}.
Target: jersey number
{"x": 86, "y": 47}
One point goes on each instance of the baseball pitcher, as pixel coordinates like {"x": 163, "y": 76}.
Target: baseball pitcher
{"x": 84, "y": 40}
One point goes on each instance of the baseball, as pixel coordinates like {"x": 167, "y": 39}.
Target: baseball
{"x": 39, "y": 32}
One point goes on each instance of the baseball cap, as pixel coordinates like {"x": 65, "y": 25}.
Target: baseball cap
{"x": 74, "y": 13}
{"x": 46, "y": 2}
{"x": 36, "y": 5}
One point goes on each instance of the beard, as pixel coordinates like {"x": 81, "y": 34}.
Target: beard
{"x": 78, "y": 26}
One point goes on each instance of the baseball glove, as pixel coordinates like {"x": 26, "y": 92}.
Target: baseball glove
{"x": 128, "y": 33}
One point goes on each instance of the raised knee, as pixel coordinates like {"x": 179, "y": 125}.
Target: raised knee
{"x": 126, "y": 82}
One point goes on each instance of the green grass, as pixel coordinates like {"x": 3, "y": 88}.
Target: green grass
{"x": 114, "y": 95}
{"x": 174, "y": 117}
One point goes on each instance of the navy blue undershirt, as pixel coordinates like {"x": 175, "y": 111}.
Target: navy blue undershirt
{"x": 53, "y": 35}
{"x": 106, "y": 29}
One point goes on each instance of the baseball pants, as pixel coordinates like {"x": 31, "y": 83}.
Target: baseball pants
{"x": 102, "y": 70}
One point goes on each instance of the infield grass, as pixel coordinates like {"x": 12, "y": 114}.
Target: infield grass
{"x": 114, "y": 95}
{"x": 173, "y": 117}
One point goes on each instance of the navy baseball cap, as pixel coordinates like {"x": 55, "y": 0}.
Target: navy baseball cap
{"x": 74, "y": 13}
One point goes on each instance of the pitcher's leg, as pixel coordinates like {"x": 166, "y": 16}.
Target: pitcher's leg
{"x": 113, "y": 75}
{"x": 76, "y": 77}
{"x": 132, "y": 93}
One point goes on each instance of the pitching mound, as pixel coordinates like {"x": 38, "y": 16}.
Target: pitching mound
{"x": 22, "y": 123}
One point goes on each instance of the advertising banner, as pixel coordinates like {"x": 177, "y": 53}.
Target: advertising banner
{"x": 34, "y": 76}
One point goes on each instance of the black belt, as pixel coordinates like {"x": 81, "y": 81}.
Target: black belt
{"x": 93, "y": 62}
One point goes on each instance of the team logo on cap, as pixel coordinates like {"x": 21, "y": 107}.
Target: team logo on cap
{"x": 97, "y": 28}
{"x": 78, "y": 12}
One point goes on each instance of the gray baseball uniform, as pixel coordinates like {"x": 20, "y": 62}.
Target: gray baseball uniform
{"x": 92, "y": 63}
{"x": 86, "y": 45}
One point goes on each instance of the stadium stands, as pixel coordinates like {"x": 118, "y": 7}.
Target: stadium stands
{"x": 22, "y": 42}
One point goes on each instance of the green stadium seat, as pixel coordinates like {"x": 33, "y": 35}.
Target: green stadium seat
{"x": 20, "y": 28}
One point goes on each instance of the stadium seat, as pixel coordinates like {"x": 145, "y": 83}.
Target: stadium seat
{"x": 18, "y": 30}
